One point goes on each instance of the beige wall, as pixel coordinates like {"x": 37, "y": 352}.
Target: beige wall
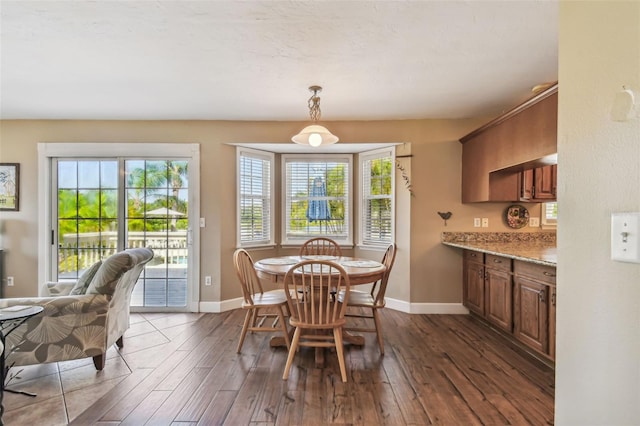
{"x": 427, "y": 272}
{"x": 598, "y": 319}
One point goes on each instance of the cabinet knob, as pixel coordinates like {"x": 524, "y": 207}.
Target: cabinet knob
{"x": 549, "y": 274}
{"x": 541, "y": 296}
{"x": 497, "y": 261}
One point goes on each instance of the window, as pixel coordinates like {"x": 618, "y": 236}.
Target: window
{"x": 316, "y": 197}
{"x": 377, "y": 197}
{"x": 255, "y": 200}
{"x": 549, "y": 214}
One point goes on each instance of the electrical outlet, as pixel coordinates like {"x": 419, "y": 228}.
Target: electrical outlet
{"x": 203, "y": 223}
{"x": 476, "y": 222}
{"x": 9, "y": 281}
{"x": 207, "y": 280}
{"x": 534, "y": 222}
{"x": 485, "y": 222}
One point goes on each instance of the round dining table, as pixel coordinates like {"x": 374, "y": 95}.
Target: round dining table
{"x": 360, "y": 271}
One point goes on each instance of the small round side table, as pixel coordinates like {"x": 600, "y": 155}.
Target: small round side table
{"x": 10, "y": 319}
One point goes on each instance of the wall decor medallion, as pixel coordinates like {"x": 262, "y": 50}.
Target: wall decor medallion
{"x": 516, "y": 216}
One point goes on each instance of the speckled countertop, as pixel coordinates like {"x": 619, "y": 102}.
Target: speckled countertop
{"x": 534, "y": 247}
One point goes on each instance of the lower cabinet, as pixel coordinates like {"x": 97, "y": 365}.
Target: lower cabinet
{"x": 534, "y": 306}
{"x": 515, "y": 296}
{"x": 473, "y": 288}
{"x": 531, "y": 322}
{"x": 499, "y": 291}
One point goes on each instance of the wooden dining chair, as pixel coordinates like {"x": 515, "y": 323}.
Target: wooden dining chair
{"x": 317, "y": 316}
{"x": 373, "y": 300}
{"x": 260, "y": 305}
{"x": 320, "y": 246}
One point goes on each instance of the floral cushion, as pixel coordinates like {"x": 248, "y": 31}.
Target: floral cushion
{"x": 85, "y": 279}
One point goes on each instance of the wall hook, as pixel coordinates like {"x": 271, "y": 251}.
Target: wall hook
{"x": 445, "y": 216}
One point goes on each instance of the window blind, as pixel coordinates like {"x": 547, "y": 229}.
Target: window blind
{"x": 550, "y": 211}
{"x": 377, "y": 197}
{"x": 316, "y": 198}
{"x": 255, "y": 204}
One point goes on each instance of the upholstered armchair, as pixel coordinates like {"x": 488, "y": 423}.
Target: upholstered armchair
{"x": 80, "y": 319}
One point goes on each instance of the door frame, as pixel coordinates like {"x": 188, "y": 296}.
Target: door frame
{"x": 46, "y": 151}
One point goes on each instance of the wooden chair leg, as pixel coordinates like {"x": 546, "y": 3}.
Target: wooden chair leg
{"x": 292, "y": 353}
{"x": 283, "y": 325}
{"x": 376, "y": 319}
{"x": 247, "y": 319}
{"x": 120, "y": 342}
{"x": 337, "y": 336}
{"x": 98, "y": 361}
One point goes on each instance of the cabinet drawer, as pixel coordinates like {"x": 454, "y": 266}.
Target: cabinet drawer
{"x": 497, "y": 262}
{"x": 474, "y": 256}
{"x": 543, "y": 273}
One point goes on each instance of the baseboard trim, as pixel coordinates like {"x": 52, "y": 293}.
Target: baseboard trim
{"x": 395, "y": 304}
{"x": 439, "y": 308}
{"x": 426, "y": 308}
{"x": 219, "y": 307}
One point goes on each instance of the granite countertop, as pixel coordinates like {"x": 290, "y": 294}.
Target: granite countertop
{"x": 540, "y": 249}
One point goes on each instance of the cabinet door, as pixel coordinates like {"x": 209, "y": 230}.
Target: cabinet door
{"x": 526, "y": 185}
{"x": 545, "y": 183}
{"x": 474, "y": 287}
{"x": 552, "y": 324}
{"x": 531, "y": 313}
{"x": 499, "y": 298}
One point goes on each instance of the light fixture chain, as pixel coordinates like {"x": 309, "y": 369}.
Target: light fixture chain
{"x": 314, "y": 107}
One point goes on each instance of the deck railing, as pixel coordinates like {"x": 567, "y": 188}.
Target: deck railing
{"x": 79, "y": 251}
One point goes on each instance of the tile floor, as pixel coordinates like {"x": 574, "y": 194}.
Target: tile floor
{"x": 66, "y": 389}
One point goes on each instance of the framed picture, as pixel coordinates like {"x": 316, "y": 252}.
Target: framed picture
{"x": 9, "y": 186}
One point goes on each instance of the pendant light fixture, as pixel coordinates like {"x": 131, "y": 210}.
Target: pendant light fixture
{"x": 315, "y": 135}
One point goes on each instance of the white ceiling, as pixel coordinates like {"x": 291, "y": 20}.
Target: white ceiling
{"x": 254, "y": 60}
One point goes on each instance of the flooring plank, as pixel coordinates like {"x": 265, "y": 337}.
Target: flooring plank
{"x": 216, "y": 412}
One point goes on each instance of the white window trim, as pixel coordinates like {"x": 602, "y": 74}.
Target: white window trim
{"x": 364, "y": 156}
{"x": 345, "y": 242}
{"x": 240, "y": 151}
{"x": 87, "y": 150}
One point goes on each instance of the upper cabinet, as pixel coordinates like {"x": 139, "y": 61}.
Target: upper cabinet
{"x": 495, "y": 156}
{"x": 539, "y": 184}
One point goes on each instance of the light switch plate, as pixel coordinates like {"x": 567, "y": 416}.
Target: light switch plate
{"x": 534, "y": 222}
{"x": 625, "y": 238}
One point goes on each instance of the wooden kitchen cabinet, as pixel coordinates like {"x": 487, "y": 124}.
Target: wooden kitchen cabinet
{"x": 534, "y": 296}
{"x": 473, "y": 281}
{"x": 487, "y": 288}
{"x": 515, "y": 296}
{"x": 525, "y": 135}
{"x": 539, "y": 184}
{"x": 531, "y": 326}
{"x": 499, "y": 291}
{"x": 552, "y": 324}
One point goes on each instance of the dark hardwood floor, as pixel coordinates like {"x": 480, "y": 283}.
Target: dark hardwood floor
{"x": 182, "y": 369}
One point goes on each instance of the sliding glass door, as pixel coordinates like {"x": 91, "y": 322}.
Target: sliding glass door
{"x": 104, "y": 205}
